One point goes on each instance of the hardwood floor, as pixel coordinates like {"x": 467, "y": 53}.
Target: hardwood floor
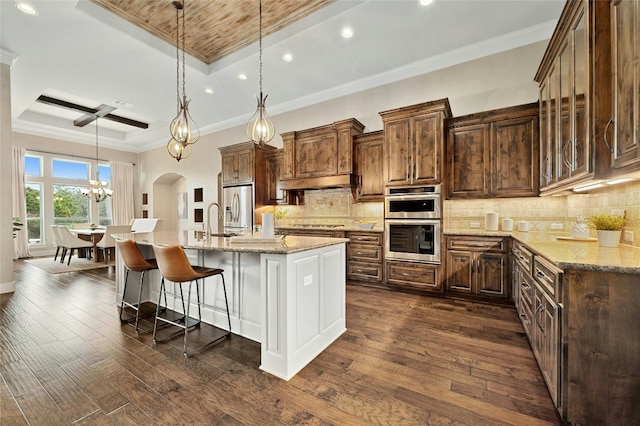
{"x": 405, "y": 359}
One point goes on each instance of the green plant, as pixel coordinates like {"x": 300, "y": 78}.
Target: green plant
{"x": 17, "y": 225}
{"x": 607, "y": 222}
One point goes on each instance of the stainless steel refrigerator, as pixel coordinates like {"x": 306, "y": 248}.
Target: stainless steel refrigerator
{"x": 238, "y": 208}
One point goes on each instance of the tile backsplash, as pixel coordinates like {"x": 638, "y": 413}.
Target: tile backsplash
{"x": 542, "y": 212}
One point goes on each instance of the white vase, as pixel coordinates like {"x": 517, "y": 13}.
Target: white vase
{"x": 608, "y": 238}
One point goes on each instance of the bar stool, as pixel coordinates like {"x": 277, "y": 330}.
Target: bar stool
{"x": 134, "y": 261}
{"x": 174, "y": 266}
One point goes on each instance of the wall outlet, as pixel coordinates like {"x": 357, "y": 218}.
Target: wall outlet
{"x": 628, "y": 236}
{"x": 475, "y": 225}
{"x": 557, "y": 226}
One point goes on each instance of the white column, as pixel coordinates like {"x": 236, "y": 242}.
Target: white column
{"x": 7, "y": 285}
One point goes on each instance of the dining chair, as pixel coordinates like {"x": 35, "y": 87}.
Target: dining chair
{"x": 134, "y": 261}
{"x": 71, "y": 243}
{"x": 57, "y": 241}
{"x": 175, "y": 266}
{"x": 107, "y": 245}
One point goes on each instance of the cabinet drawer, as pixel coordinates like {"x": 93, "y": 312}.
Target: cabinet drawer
{"x": 366, "y": 238}
{"x": 477, "y": 244}
{"x": 526, "y": 288}
{"x": 419, "y": 275}
{"x": 523, "y": 256}
{"x": 549, "y": 277}
{"x": 365, "y": 252}
{"x": 365, "y": 271}
{"x": 526, "y": 317}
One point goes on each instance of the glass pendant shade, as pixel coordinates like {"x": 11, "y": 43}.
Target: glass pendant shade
{"x": 260, "y": 128}
{"x": 178, "y": 150}
{"x": 183, "y": 128}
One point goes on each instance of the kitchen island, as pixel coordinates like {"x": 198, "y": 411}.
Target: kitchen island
{"x": 289, "y": 295}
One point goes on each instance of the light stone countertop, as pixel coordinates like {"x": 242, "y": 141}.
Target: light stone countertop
{"x": 567, "y": 254}
{"x": 187, "y": 239}
{"x": 345, "y": 228}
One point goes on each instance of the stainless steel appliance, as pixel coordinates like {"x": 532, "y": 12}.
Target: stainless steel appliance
{"x": 238, "y": 208}
{"x": 413, "y": 224}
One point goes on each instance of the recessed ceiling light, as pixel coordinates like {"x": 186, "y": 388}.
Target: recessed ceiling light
{"x": 27, "y": 8}
{"x": 287, "y": 57}
{"x": 242, "y": 76}
{"x": 208, "y": 91}
{"x": 346, "y": 32}
{"x": 425, "y": 2}
{"x": 123, "y": 103}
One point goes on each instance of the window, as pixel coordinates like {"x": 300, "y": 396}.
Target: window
{"x": 53, "y": 191}
{"x": 33, "y": 197}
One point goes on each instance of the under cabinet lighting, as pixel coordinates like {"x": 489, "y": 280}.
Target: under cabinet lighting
{"x": 617, "y": 181}
{"x": 588, "y": 187}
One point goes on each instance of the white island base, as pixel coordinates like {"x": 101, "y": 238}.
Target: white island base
{"x": 290, "y": 300}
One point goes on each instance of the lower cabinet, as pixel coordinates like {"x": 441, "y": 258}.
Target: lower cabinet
{"x": 478, "y": 266}
{"x": 364, "y": 257}
{"x": 538, "y": 303}
{"x": 413, "y": 275}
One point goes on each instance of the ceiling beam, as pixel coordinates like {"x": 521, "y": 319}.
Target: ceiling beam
{"x": 91, "y": 113}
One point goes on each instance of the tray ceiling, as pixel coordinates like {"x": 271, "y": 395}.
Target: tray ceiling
{"x": 214, "y": 28}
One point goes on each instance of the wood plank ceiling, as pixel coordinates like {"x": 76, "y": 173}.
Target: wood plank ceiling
{"x": 214, "y": 28}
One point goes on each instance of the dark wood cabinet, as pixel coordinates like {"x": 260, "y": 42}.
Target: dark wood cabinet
{"x": 413, "y": 276}
{"x": 274, "y": 191}
{"x": 237, "y": 164}
{"x": 414, "y": 138}
{"x": 478, "y": 266}
{"x": 368, "y": 165}
{"x": 493, "y": 153}
{"x": 365, "y": 258}
{"x": 576, "y": 78}
{"x": 625, "y": 27}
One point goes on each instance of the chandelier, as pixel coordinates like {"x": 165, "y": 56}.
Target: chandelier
{"x": 260, "y": 128}
{"x": 184, "y": 131}
{"x": 98, "y": 190}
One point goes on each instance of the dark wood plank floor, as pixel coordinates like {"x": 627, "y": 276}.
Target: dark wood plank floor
{"x": 405, "y": 359}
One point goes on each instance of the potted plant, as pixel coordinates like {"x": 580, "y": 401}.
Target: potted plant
{"x": 609, "y": 227}
{"x": 17, "y": 225}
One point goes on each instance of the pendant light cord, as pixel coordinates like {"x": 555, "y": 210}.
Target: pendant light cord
{"x": 260, "y": 48}
{"x": 97, "y": 175}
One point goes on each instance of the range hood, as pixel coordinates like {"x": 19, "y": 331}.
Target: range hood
{"x": 323, "y": 182}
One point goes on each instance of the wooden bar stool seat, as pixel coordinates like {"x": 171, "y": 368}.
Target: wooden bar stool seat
{"x": 175, "y": 266}
{"x": 134, "y": 261}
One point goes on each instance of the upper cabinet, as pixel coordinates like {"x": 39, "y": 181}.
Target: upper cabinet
{"x": 368, "y": 153}
{"x": 589, "y": 95}
{"x": 274, "y": 191}
{"x": 493, "y": 154}
{"x": 625, "y": 26}
{"x": 237, "y": 163}
{"x": 414, "y": 142}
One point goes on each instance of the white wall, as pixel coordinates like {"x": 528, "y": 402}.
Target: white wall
{"x": 496, "y": 81}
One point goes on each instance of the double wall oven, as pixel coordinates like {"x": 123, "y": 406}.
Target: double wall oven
{"x": 413, "y": 223}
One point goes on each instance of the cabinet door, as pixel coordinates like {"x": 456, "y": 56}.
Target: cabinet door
{"x": 427, "y": 150}
{"x": 275, "y": 195}
{"x": 565, "y": 141}
{"x": 581, "y": 145}
{"x": 546, "y": 153}
{"x": 460, "y": 270}
{"x": 514, "y": 158}
{"x": 492, "y": 274}
{"x": 369, "y": 157}
{"x": 316, "y": 155}
{"x": 244, "y": 166}
{"x": 229, "y": 175}
{"x": 625, "y": 16}
{"x": 398, "y": 159}
{"x": 548, "y": 322}
{"x": 467, "y": 158}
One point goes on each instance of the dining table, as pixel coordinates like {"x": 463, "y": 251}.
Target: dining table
{"x": 90, "y": 234}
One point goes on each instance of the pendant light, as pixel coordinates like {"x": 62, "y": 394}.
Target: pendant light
{"x": 184, "y": 131}
{"x": 260, "y": 128}
{"x": 97, "y": 190}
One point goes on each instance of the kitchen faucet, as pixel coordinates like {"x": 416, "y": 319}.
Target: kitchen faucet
{"x": 208, "y": 227}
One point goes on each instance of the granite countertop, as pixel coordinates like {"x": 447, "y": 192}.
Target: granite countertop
{"x": 343, "y": 228}
{"x": 568, "y": 254}
{"x": 187, "y": 239}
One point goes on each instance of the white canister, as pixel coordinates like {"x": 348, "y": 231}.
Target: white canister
{"x": 524, "y": 226}
{"x": 491, "y": 221}
{"x": 267, "y": 225}
{"x": 507, "y": 224}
